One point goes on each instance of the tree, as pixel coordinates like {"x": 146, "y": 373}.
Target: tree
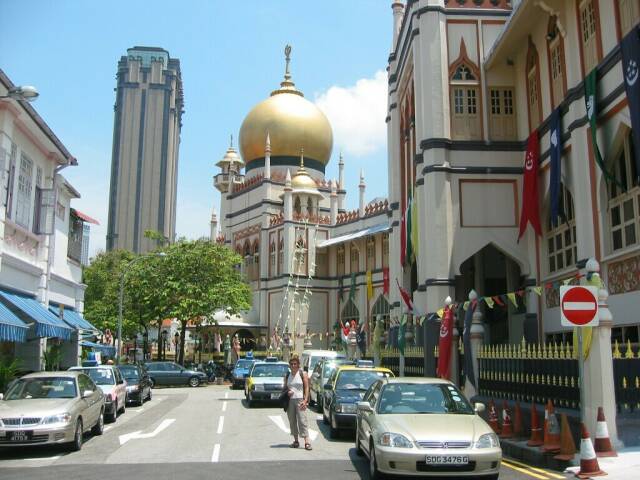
{"x": 199, "y": 278}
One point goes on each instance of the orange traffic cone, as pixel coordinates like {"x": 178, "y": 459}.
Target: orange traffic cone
{"x": 588, "y": 462}
{"x": 536, "y": 431}
{"x": 602, "y": 442}
{"x": 567, "y": 445}
{"x": 518, "y": 430}
{"x": 507, "y": 426}
{"x": 552, "y": 431}
{"x": 493, "y": 418}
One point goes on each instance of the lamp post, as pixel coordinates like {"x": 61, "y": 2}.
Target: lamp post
{"x": 176, "y": 341}
{"x": 123, "y": 274}
{"x": 165, "y": 334}
{"x": 25, "y": 92}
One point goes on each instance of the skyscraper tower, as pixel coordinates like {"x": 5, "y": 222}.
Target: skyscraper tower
{"x": 146, "y": 139}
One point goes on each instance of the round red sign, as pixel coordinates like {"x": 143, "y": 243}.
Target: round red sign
{"x": 579, "y": 305}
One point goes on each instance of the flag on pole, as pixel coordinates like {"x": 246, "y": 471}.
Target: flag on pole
{"x": 385, "y": 280}
{"x": 402, "y": 342}
{"x": 631, "y": 70}
{"x": 369, "y": 285}
{"x": 352, "y": 288}
{"x": 444, "y": 344}
{"x": 530, "y": 204}
{"x": 555, "y": 137}
{"x": 406, "y": 296}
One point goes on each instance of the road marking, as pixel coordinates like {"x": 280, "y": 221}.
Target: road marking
{"x": 56, "y": 457}
{"x": 535, "y": 469}
{"x": 226, "y": 394}
{"x": 138, "y": 435}
{"x": 224, "y": 406}
{"x": 220, "y": 424}
{"x": 216, "y": 453}
{"x": 108, "y": 427}
{"x": 319, "y": 417}
{"x": 526, "y": 471}
{"x": 279, "y": 421}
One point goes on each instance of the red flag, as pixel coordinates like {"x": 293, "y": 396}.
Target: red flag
{"x": 445, "y": 344}
{"x": 385, "y": 280}
{"x": 405, "y": 296}
{"x": 530, "y": 204}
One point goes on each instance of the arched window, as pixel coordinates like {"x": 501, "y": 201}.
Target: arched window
{"x": 624, "y": 199}
{"x": 300, "y": 259}
{"x": 296, "y": 206}
{"x": 280, "y": 256}
{"x": 385, "y": 251}
{"x": 561, "y": 235}
{"x": 340, "y": 260}
{"x": 355, "y": 258}
{"x": 555, "y": 46}
{"x": 309, "y": 206}
{"x": 464, "y": 90}
{"x": 381, "y": 310}
{"x": 533, "y": 87}
{"x": 246, "y": 257}
{"x": 350, "y": 312}
{"x": 255, "y": 273}
{"x": 272, "y": 259}
{"x": 589, "y": 26}
{"x": 628, "y": 15}
{"x": 371, "y": 253}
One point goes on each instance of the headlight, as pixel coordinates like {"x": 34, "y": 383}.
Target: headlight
{"x": 388, "y": 439}
{"x": 132, "y": 388}
{"x": 488, "y": 440}
{"x": 345, "y": 407}
{"x": 63, "y": 418}
{"x": 258, "y": 387}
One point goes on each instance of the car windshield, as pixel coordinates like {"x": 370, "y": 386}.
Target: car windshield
{"x": 46, "y": 387}
{"x": 423, "y": 398}
{"x": 244, "y": 363}
{"x": 130, "y": 373}
{"x": 101, "y": 376}
{"x": 329, "y": 368}
{"x": 358, "y": 379}
{"x": 270, "y": 370}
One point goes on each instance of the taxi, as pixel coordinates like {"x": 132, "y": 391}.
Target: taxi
{"x": 265, "y": 381}
{"x": 345, "y": 388}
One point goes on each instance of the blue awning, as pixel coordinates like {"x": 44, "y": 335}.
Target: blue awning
{"x": 108, "y": 350}
{"x": 12, "y": 329}
{"x": 73, "y": 318}
{"x": 47, "y": 324}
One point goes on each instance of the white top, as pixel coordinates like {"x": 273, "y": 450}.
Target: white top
{"x": 296, "y": 385}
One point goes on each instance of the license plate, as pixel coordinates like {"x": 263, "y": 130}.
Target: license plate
{"x": 275, "y": 396}
{"x": 20, "y": 436}
{"x": 447, "y": 459}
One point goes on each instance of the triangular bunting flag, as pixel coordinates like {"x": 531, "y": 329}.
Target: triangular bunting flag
{"x": 538, "y": 291}
{"x": 512, "y": 297}
{"x": 465, "y": 305}
{"x": 489, "y": 301}
{"x": 498, "y": 300}
{"x": 440, "y": 312}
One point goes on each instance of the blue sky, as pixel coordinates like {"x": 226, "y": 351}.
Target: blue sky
{"x": 231, "y": 58}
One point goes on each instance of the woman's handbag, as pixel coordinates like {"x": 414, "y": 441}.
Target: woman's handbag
{"x": 284, "y": 400}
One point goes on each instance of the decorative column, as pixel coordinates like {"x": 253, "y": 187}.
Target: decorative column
{"x": 341, "y": 183}
{"x": 214, "y": 226}
{"x": 398, "y": 12}
{"x": 288, "y": 207}
{"x": 362, "y": 187}
{"x": 267, "y": 158}
{"x": 477, "y": 337}
{"x": 334, "y": 203}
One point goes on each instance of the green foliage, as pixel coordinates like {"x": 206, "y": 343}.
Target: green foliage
{"x": 52, "y": 358}
{"x": 9, "y": 368}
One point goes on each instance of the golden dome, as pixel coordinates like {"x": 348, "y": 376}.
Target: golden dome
{"x": 292, "y": 123}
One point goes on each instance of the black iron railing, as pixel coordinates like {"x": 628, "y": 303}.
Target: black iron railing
{"x": 626, "y": 376}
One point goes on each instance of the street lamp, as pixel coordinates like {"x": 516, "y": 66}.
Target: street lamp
{"x": 176, "y": 339}
{"x": 25, "y": 92}
{"x": 165, "y": 334}
{"x": 121, "y": 297}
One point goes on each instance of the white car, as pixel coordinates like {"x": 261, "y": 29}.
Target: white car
{"x": 114, "y": 386}
{"x": 310, "y": 358}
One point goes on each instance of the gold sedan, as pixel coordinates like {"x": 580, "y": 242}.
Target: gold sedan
{"x": 424, "y": 426}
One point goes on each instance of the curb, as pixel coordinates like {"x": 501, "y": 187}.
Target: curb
{"x": 519, "y": 450}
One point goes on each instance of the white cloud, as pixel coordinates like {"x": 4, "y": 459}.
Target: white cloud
{"x": 357, "y": 114}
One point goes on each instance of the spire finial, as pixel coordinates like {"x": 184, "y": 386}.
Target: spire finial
{"x": 287, "y": 57}
{"x": 302, "y": 158}
{"x": 231, "y": 142}
{"x": 287, "y": 85}
{"x": 341, "y": 158}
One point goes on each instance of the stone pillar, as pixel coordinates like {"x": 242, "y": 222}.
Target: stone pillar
{"x": 477, "y": 338}
{"x": 398, "y": 12}
{"x": 288, "y": 206}
{"x": 599, "y": 384}
{"x": 341, "y": 183}
{"x": 267, "y": 158}
{"x": 334, "y": 203}
{"x": 362, "y": 187}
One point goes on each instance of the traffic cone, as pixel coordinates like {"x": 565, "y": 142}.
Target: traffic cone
{"x": 493, "y": 418}
{"x": 567, "y": 445}
{"x": 536, "y": 431}
{"x": 602, "y": 442}
{"x": 552, "y": 431}
{"x": 507, "y": 426}
{"x": 518, "y": 430}
{"x": 588, "y": 462}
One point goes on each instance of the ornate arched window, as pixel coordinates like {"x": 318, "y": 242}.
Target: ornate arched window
{"x": 464, "y": 90}
{"x": 355, "y": 258}
{"x": 560, "y": 235}
{"x": 310, "y": 206}
{"x": 555, "y": 45}
{"x": 533, "y": 87}
{"x": 296, "y": 206}
{"x": 340, "y": 260}
{"x": 272, "y": 258}
{"x": 350, "y": 312}
{"x": 255, "y": 273}
{"x": 589, "y": 29}
{"x": 280, "y": 256}
{"x": 381, "y": 310}
{"x": 624, "y": 198}
{"x": 371, "y": 253}
{"x": 300, "y": 257}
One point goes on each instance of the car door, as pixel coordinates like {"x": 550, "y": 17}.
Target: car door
{"x": 366, "y": 420}
{"x": 158, "y": 373}
{"x": 91, "y": 403}
{"x": 121, "y": 387}
{"x": 328, "y": 394}
{"x": 174, "y": 374}
{"x": 314, "y": 381}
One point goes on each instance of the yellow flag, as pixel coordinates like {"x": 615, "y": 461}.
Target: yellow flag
{"x": 369, "y": 285}
{"x": 465, "y": 305}
{"x": 512, "y": 297}
{"x": 538, "y": 290}
{"x": 489, "y": 301}
{"x": 440, "y": 312}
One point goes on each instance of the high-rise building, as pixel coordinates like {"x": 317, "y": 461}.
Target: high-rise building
{"x": 146, "y": 139}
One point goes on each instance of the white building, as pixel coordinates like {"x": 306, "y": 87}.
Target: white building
{"x": 41, "y": 294}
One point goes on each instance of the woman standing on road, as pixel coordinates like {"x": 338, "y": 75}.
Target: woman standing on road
{"x": 297, "y": 385}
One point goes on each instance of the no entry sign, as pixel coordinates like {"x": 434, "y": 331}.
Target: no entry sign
{"x": 578, "y": 306}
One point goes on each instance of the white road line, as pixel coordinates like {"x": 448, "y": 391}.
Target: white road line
{"x": 215, "y": 457}
{"x": 279, "y": 421}
{"x": 224, "y": 406}
{"x": 108, "y": 427}
{"x": 319, "y": 417}
{"x": 226, "y": 394}
{"x": 220, "y": 424}
{"x": 44, "y": 458}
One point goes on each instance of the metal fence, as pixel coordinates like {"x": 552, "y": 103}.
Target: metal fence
{"x": 626, "y": 375}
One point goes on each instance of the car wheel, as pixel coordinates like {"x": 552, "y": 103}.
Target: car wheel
{"x": 359, "y": 450}
{"x": 333, "y": 432}
{"x": 194, "y": 381}
{"x": 124, "y": 407}
{"x": 325, "y": 420}
{"x": 98, "y": 428}
{"x": 250, "y": 401}
{"x": 319, "y": 404}
{"x": 152, "y": 383}
{"x": 113, "y": 416}
{"x": 374, "y": 473}
{"x": 149, "y": 395}
{"x": 76, "y": 445}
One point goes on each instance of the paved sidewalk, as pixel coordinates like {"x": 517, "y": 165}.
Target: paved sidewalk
{"x": 626, "y": 466}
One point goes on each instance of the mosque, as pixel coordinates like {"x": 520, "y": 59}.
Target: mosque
{"x": 310, "y": 262}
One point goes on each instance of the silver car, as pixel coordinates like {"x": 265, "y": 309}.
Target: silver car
{"x": 424, "y": 426}
{"x": 51, "y": 408}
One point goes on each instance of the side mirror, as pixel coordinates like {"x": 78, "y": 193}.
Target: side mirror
{"x": 364, "y": 407}
{"x": 87, "y": 393}
{"x": 327, "y": 386}
{"x": 479, "y": 407}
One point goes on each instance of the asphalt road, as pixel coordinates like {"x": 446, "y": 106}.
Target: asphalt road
{"x": 204, "y": 433}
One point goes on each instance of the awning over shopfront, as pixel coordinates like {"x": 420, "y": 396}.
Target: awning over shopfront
{"x": 12, "y": 329}
{"x": 383, "y": 227}
{"x": 47, "y": 324}
{"x": 73, "y": 318}
{"x": 108, "y": 350}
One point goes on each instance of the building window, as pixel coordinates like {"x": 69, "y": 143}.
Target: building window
{"x": 60, "y": 211}
{"x": 74, "y": 249}
{"x": 624, "y": 200}
{"x": 280, "y": 256}
{"x": 321, "y": 268}
{"x": 300, "y": 257}
{"x": 502, "y": 118}
{"x": 13, "y": 156}
{"x": 350, "y": 313}
{"x": 628, "y": 15}
{"x": 371, "y": 253}
{"x": 381, "y": 311}
{"x": 309, "y": 206}
{"x": 385, "y": 251}
{"x": 533, "y": 88}
{"x": 272, "y": 259}
{"x": 589, "y": 35}
{"x": 340, "y": 260}
{"x": 465, "y": 120}
{"x": 255, "y": 272}
{"x": 296, "y": 206}
{"x": 355, "y": 258}
{"x": 556, "y": 61}
{"x": 561, "y": 238}
{"x": 25, "y": 187}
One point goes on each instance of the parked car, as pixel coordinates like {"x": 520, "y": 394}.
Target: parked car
{"x": 320, "y": 376}
{"x": 170, "y": 373}
{"x": 138, "y": 383}
{"x": 424, "y": 426}
{"x": 265, "y": 381}
{"x": 47, "y": 408}
{"x": 347, "y": 386}
{"x": 241, "y": 371}
{"x": 114, "y": 386}
{"x": 310, "y": 358}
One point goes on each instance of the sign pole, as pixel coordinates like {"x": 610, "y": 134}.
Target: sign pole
{"x": 581, "y": 373}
